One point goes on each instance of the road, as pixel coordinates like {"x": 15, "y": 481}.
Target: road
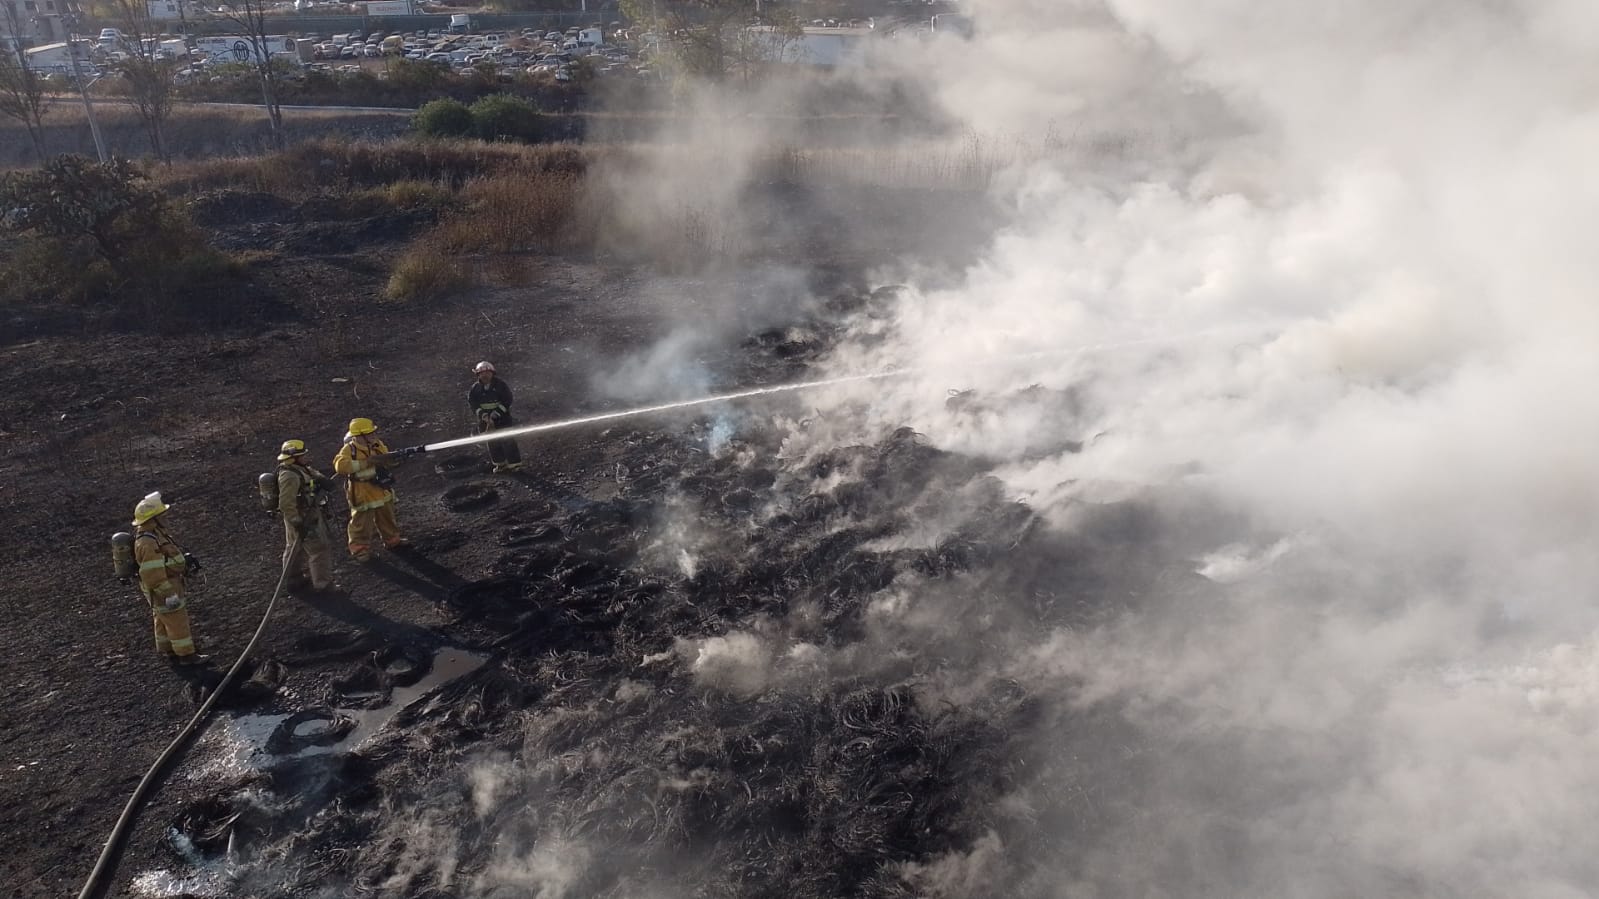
{"x": 318, "y": 108}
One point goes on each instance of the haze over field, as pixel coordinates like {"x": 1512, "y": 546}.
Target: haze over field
{"x": 1357, "y": 238}
{"x": 1228, "y": 533}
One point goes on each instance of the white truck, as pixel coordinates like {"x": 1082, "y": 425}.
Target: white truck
{"x": 460, "y": 23}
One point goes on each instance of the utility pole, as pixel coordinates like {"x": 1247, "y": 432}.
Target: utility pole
{"x": 83, "y": 89}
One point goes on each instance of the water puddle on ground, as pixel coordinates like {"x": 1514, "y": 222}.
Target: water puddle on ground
{"x": 243, "y": 743}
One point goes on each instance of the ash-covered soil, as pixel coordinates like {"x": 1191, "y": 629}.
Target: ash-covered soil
{"x": 722, "y": 653}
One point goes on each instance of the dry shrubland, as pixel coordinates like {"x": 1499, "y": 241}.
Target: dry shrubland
{"x": 672, "y": 206}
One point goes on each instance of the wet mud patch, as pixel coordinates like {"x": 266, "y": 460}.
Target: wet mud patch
{"x": 363, "y": 686}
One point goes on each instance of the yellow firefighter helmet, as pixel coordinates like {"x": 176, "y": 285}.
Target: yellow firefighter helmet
{"x": 148, "y": 508}
{"x": 290, "y": 449}
{"x": 359, "y": 426}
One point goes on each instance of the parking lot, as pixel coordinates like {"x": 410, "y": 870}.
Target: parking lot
{"x": 536, "y": 52}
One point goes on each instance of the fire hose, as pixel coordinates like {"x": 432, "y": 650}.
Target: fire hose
{"x": 106, "y": 865}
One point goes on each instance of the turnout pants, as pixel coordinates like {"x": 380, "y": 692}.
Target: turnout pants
{"x": 501, "y": 452}
{"x": 172, "y": 637}
{"x": 312, "y": 560}
{"x": 366, "y": 526}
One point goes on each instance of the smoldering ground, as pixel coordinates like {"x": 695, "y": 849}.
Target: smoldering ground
{"x": 1302, "y": 607}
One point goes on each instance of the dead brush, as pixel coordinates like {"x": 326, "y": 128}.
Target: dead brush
{"x": 424, "y": 272}
{"x": 308, "y": 168}
{"x": 517, "y": 213}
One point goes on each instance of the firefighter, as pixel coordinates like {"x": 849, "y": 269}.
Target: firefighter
{"x": 490, "y": 399}
{"x": 163, "y": 570}
{"x": 364, "y": 460}
{"x": 303, "y": 494}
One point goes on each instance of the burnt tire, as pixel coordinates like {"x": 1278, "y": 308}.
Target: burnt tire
{"x": 311, "y": 727}
{"x": 402, "y": 666}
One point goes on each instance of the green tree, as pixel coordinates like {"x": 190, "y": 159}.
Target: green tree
{"x": 504, "y": 117}
{"x": 443, "y": 118}
{"x": 106, "y": 209}
{"x": 81, "y": 229}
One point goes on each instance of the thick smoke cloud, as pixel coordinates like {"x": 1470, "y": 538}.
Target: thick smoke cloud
{"x": 1351, "y": 316}
{"x": 1287, "y": 337}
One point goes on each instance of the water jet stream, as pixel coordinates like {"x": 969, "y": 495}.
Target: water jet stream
{"x": 1085, "y": 349}
{"x": 662, "y": 407}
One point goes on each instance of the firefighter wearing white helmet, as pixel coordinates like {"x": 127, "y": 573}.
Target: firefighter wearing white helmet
{"x": 302, "y": 500}
{"x": 163, "y": 569}
{"x": 364, "y": 460}
{"x": 490, "y": 399}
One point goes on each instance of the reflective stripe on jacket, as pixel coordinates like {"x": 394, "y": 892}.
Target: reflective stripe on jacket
{"x": 495, "y": 396}
{"x": 352, "y": 462}
{"x": 161, "y": 563}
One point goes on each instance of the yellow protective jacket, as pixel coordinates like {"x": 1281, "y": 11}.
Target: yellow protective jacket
{"x": 162, "y": 566}
{"x": 300, "y": 496}
{"x": 352, "y": 462}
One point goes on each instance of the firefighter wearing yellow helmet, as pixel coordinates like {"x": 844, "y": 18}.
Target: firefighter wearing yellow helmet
{"x": 163, "y": 569}
{"x": 302, "y": 500}
{"x": 364, "y": 460}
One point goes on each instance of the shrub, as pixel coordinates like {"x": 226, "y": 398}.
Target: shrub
{"x": 444, "y": 118}
{"x": 86, "y": 231}
{"x": 504, "y": 117}
{"x": 424, "y": 273}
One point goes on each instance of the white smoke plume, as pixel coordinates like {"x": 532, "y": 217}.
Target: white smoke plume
{"x": 1353, "y": 311}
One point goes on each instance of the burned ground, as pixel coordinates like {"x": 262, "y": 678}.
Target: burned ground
{"x": 670, "y": 657}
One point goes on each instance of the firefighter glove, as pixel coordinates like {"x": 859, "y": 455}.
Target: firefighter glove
{"x": 383, "y": 478}
{"x": 191, "y": 562}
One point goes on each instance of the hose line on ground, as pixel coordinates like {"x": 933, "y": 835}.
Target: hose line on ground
{"x": 105, "y": 867}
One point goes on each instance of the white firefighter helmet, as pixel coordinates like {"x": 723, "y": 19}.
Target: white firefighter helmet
{"x": 148, "y": 508}
{"x": 482, "y": 367}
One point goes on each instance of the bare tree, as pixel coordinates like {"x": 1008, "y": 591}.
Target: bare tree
{"x": 148, "y": 76}
{"x": 249, "y": 17}
{"x": 714, "y": 38}
{"x": 21, "y": 89}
